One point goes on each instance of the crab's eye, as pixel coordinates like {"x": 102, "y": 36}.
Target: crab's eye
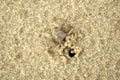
{"x": 71, "y": 54}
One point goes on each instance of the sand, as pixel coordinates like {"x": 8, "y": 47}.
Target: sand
{"x": 59, "y": 39}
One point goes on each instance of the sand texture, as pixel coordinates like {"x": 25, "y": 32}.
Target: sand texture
{"x": 59, "y": 39}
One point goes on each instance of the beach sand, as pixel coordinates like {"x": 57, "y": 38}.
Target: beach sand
{"x": 59, "y": 39}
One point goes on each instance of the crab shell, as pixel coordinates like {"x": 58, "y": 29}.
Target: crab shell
{"x": 58, "y": 36}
